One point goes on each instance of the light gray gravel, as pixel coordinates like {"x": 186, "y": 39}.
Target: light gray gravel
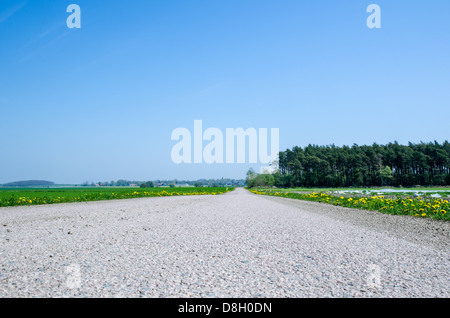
{"x": 233, "y": 245}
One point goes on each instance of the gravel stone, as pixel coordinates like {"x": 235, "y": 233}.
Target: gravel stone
{"x": 233, "y": 245}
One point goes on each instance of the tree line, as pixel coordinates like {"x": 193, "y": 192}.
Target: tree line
{"x": 423, "y": 164}
{"x": 223, "y": 182}
{"x": 29, "y": 183}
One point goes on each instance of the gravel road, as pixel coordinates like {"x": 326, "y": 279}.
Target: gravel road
{"x": 232, "y": 245}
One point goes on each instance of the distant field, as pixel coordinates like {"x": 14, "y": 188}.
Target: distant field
{"x": 38, "y": 196}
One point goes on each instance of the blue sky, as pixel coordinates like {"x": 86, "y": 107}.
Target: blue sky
{"x": 99, "y": 103}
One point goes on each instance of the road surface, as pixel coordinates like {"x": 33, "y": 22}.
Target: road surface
{"x": 234, "y": 245}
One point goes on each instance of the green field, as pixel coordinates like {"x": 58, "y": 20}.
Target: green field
{"x": 38, "y": 196}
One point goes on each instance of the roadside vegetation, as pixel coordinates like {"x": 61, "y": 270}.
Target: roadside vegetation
{"x": 22, "y": 197}
{"x": 427, "y": 206}
{"x": 411, "y": 179}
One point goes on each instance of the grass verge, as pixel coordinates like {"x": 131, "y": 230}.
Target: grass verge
{"x": 434, "y": 208}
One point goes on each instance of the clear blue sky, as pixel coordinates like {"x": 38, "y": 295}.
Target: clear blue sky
{"x": 99, "y": 103}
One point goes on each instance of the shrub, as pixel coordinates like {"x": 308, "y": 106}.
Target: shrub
{"x": 148, "y": 184}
